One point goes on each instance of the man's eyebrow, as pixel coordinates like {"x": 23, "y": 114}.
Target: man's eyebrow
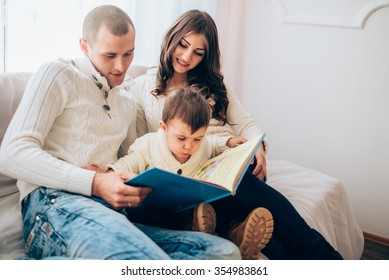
{"x": 113, "y": 53}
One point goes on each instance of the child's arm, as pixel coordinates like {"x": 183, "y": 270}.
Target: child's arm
{"x": 94, "y": 167}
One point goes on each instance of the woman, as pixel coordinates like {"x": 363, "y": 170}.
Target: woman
{"x": 190, "y": 55}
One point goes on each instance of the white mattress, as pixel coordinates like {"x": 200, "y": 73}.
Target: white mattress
{"x": 323, "y": 203}
{"x": 320, "y": 199}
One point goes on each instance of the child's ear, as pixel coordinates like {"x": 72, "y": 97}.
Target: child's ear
{"x": 163, "y": 126}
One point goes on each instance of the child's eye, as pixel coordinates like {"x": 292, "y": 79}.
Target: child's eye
{"x": 181, "y": 138}
{"x": 197, "y": 139}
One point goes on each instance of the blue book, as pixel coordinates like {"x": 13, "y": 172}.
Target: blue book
{"x": 219, "y": 177}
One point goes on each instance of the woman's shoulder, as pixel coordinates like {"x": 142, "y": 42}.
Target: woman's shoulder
{"x": 152, "y": 70}
{"x": 144, "y": 83}
{"x": 148, "y": 77}
{"x": 150, "y": 73}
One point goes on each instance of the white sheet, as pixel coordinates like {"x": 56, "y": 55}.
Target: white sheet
{"x": 320, "y": 199}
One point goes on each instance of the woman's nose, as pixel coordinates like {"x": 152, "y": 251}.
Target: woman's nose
{"x": 186, "y": 56}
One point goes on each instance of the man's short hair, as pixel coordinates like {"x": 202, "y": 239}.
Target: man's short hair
{"x": 114, "y": 18}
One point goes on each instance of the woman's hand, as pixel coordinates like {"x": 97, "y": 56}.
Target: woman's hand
{"x": 260, "y": 170}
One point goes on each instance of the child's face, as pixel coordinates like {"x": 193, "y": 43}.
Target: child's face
{"x": 181, "y": 142}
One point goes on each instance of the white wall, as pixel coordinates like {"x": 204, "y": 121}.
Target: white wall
{"x": 320, "y": 89}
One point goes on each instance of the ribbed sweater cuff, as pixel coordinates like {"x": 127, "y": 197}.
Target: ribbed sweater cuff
{"x": 222, "y": 142}
{"x": 81, "y": 181}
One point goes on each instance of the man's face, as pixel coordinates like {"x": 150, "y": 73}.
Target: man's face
{"x": 110, "y": 54}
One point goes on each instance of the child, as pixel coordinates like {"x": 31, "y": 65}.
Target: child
{"x": 181, "y": 146}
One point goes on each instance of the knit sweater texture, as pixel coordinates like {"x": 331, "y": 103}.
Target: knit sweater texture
{"x": 60, "y": 125}
{"x": 151, "y": 150}
{"x": 150, "y": 112}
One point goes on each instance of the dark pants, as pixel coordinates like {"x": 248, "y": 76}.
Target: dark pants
{"x": 292, "y": 237}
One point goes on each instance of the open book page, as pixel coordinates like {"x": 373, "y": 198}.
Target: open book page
{"x": 226, "y": 169}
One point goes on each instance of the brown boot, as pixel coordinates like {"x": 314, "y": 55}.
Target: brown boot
{"x": 204, "y": 218}
{"x": 253, "y": 234}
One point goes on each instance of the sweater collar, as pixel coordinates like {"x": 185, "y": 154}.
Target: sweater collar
{"x": 172, "y": 162}
{"x": 85, "y": 66}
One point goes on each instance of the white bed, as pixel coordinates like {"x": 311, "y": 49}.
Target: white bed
{"x": 320, "y": 199}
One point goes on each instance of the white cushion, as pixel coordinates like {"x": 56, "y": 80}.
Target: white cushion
{"x": 11, "y": 90}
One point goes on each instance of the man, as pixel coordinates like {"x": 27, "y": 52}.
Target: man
{"x": 74, "y": 112}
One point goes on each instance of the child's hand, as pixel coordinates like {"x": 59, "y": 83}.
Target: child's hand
{"x": 235, "y": 141}
{"x": 94, "y": 167}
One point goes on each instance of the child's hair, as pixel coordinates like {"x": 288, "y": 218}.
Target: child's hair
{"x": 188, "y": 105}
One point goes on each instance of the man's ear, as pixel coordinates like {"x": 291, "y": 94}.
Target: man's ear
{"x": 163, "y": 126}
{"x": 84, "y": 46}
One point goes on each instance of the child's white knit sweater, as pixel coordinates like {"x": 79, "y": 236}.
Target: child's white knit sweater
{"x": 151, "y": 150}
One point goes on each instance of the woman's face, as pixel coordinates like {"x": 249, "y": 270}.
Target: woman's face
{"x": 189, "y": 53}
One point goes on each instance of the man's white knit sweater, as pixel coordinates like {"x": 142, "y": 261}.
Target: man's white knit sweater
{"x": 61, "y": 125}
{"x": 151, "y": 150}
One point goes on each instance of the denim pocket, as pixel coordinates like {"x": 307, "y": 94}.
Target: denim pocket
{"x": 43, "y": 241}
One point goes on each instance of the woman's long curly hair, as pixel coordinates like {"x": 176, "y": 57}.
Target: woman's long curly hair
{"x": 207, "y": 73}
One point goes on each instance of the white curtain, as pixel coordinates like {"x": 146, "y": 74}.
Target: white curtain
{"x": 43, "y": 30}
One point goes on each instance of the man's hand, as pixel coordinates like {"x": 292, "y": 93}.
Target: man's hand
{"x": 111, "y": 187}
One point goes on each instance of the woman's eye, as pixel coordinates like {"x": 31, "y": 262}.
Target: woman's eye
{"x": 182, "y": 45}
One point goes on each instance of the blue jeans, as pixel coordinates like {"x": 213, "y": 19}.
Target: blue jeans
{"x": 61, "y": 224}
{"x": 292, "y": 238}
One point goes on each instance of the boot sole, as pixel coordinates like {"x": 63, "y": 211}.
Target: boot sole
{"x": 257, "y": 233}
{"x": 204, "y": 218}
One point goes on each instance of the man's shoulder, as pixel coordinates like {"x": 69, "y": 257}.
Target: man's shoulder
{"x": 59, "y": 65}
